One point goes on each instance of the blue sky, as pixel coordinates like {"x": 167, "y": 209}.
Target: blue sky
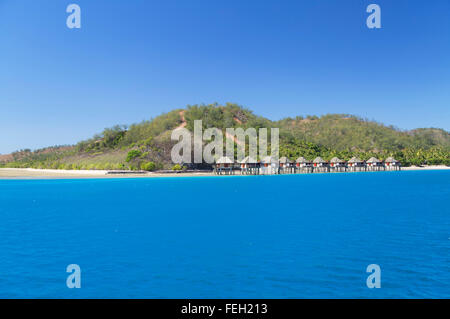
{"x": 133, "y": 60}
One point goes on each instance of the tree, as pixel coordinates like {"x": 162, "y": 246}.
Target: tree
{"x": 149, "y": 166}
{"x": 133, "y": 154}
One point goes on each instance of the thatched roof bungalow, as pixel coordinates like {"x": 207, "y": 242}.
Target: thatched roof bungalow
{"x": 249, "y": 165}
{"x": 284, "y": 161}
{"x": 356, "y": 164}
{"x": 286, "y": 165}
{"x": 268, "y": 160}
{"x": 335, "y": 161}
{"x": 373, "y": 161}
{"x": 391, "y": 160}
{"x": 320, "y": 165}
{"x": 319, "y": 161}
{"x": 374, "y": 164}
{"x": 248, "y": 161}
{"x": 224, "y": 162}
{"x": 269, "y": 165}
{"x": 392, "y": 163}
{"x": 302, "y": 162}
{"x": 224, "y": 165}
{"x": 355, "y": 161}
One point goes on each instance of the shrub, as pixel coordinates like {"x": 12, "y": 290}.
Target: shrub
{"x": 132, "y": 155}
{"x": 149, "y": 166}
{"x": 177, "y": 167}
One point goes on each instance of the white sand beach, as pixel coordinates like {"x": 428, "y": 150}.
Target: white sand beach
{"x": 31, "y": 172}
{"x": 8, "y": 173}
{"x": 425, "y": 167}
{"x": 12, "y": 173}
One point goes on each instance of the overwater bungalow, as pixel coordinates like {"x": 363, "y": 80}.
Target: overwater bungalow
{"x": 286, "y": 166}
{"x": 355, "y": 165}
{"x": 302, "y": 165}
{"x": 249, "y": 166}
{"x": 374, "y": 164}
{"x": 269, "y": 165}
{"x": 224, "y": 166}
{"x": 320, "y": 165}
{"x": 392, "y": 164}
{"x": 337, "y": 165}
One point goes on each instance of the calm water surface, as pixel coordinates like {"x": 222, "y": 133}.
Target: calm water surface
{"x": 298, "y": 236}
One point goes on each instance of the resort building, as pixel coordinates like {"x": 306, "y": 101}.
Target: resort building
{"x": 355, "y": 165}
{"x": 249, "y": 166}
{"x": 392, "y": 164}
{"x": 374, "y": 164}
{"x": 269, "y": 165}
{"x": 286, "y": 166}
{"x": 224, "y": 166}
{"x": 337, "y": 165}
{"x": 320, "y": 165}
{"x": 302, "y": 165}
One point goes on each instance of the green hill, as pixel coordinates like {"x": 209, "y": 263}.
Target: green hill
{"x": 432, "y": 136}
{"x": 147, "y": 145}
{"x": 348, "y": 132}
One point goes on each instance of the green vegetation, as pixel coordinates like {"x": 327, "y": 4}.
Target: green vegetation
{"x": 147, "y": 145}
{"x": 177, "y": 167}
{"x": 132, "y": 155}
{"x": 149, "y": 166}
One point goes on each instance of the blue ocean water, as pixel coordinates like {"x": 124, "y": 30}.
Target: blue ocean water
{"x": 297, "y": 236}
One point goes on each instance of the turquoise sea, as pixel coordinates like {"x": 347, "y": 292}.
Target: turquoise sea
{"x": 292, "y": 236}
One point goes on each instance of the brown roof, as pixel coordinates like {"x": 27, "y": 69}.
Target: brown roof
{"x": 373, "y": 160}
{"x": 285, "y": 160}
{"x": 301, "y": 159}
{"x": 319, "y": 160}
{"x": 249, "y": 160}
{"x": 355, "y": 159}
{"x": 224, "y": 160}
{"x": 336, "y": 160}
{"x": 269, "y": 159}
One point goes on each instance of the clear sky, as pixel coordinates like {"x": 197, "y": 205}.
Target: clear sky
{"x": 133, "y": 60}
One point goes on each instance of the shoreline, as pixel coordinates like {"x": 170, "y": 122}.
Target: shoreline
{"x": 31, "y": 173}
{"x": 425, "y": 168}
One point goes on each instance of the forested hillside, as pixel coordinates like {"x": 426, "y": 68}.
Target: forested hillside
{"x": 147, "y": 145}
